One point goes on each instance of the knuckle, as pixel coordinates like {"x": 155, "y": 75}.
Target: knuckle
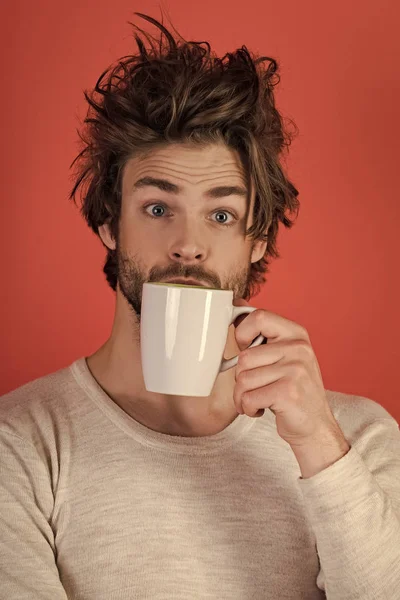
{"x": 245, "y": 398}
{"x": 297, "y": 370}
{"x": 289, "y": 383}
{"x": 242, "y": 378}
{"x": 292, "y": 390}
{"x": 303, "y": 348}
{"x": 305, "y": 334}
{"x": 258, "y": 315}
{"x": 243, "y": 356}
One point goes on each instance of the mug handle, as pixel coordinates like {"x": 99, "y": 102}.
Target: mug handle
{"x": 237, "y": 311}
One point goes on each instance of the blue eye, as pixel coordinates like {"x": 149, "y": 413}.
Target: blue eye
{"x": 222, "y": 212}
{"x": 158, "y": 205}
{"x": 163, "y": 207}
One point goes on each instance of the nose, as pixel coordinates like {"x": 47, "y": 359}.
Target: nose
{"x": 187, "y": 255}
{"x": 187, "y": 251}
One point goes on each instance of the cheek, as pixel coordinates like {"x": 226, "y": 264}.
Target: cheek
{"x": 145, "y": 247}
{"x": 132, "y": 234}
{"x": 231, "y": 252}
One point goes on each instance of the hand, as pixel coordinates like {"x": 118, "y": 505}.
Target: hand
{"x": 282, "y": 375}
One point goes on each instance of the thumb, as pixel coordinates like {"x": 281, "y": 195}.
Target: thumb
{"x": 240, "y": 302}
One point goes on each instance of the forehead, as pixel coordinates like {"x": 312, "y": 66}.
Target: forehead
{"x": 187, "y": 166}
{"x": 190, "y": 163}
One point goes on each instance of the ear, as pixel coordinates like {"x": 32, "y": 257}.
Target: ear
{"x": 258, "y": 251}
{"x": 106, "y": 236}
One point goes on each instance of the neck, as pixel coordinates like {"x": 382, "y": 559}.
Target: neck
{"x": 117, "y": 368}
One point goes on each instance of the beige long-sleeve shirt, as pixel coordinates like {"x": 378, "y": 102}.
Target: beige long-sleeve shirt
{"x": 95, "y": 506}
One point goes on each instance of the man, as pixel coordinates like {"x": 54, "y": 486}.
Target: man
{"x": 109, "y": 491}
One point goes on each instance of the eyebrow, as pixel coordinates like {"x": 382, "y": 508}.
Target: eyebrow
{"x": 220, "y": 191}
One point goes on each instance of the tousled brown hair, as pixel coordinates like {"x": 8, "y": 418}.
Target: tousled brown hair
{"x": 173, "y": 91}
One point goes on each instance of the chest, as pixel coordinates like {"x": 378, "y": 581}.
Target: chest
{"x": 200, "y": 530}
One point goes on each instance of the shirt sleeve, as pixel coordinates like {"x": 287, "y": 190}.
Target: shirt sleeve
{"x": 354, "y": 509}
{"x": 28, "y": 569}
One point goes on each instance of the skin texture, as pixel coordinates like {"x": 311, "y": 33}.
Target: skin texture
{"x": 188, "y": 237}
{"x": 284, "y": 377}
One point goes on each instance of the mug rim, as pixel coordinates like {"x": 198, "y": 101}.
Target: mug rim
{"x": 182, "y": 285}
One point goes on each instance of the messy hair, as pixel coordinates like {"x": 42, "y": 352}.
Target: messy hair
{"x": 174, "y": 91}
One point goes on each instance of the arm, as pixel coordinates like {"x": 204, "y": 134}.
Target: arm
{"x": 353, "y": 506}
{"x": 28, "y": 568}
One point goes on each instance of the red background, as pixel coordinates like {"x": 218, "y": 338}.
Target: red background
{"x": 338, "y": 275}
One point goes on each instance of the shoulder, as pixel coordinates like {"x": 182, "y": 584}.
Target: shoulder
{"x": 348, "y": 405}
{"x": 36, "y": 405}
{"x": 355, "y": 414}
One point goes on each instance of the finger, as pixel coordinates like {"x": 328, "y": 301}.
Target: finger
{"x": 255, "y": 379}
{"x": 268, "y": 394}
{"x": 270, "y": 354}
{"x": 270, "y": 325}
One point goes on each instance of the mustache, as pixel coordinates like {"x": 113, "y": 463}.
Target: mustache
{"x": 185, "y": 273}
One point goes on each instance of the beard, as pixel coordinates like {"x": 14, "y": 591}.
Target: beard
{"x": 131, "y": 276}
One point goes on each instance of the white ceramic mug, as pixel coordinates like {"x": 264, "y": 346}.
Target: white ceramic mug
{"x": 183, "y": 334}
